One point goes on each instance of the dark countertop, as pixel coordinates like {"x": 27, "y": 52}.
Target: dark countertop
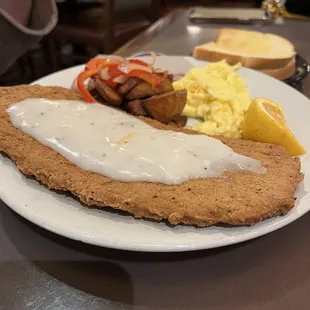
{"x": 40, "y": 270}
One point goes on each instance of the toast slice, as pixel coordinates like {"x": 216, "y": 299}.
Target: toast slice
{"x": 282, "y": 73}
{"x": 250, "y": 48}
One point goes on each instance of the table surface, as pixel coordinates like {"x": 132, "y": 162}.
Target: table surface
{"x": 40, "y": 270}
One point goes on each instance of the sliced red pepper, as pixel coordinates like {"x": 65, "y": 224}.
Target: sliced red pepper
{"x": 102, "y": 62}
{"x": 138, "y": 62}
{"x": 111, "y": 83}
{"x": 114, "y": 72}
{"x": 148, "y": 77}
{"x": 96, "y": 63}
{"x": 112, "y": 69}
{"x": 83, "y": 76}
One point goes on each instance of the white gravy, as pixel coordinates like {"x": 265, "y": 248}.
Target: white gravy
{"x": 117, "y": 145}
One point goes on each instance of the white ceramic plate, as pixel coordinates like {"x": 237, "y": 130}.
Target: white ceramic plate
{"x": 65, "y": 216}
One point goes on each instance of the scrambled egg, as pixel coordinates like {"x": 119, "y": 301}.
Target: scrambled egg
{"x": 217, "y": 96}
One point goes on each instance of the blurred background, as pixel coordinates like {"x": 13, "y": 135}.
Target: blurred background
{"x": 88, "y": 27}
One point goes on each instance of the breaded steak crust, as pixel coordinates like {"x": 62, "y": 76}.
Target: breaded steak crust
{"x": 237, "y": 198}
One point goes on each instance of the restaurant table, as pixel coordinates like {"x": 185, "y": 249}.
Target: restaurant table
{"x": 41, "y": 270}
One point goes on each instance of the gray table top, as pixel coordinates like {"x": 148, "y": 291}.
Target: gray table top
{"x": 40, "y": 270}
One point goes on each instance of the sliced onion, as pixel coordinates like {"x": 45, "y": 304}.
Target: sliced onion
{"x": 74, "y": 85}
{"x": 121, "y": 79}
{"x": 104, "y": 74}
{"x": 153, "y": 54}
{"x": 115, "y": 59}
{"x": 127, "y": 67}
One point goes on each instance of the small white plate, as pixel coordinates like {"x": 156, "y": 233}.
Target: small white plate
{"x": 65, "y": 216}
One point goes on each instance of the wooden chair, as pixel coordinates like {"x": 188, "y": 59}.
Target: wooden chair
{"x": 103, "y": 24}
